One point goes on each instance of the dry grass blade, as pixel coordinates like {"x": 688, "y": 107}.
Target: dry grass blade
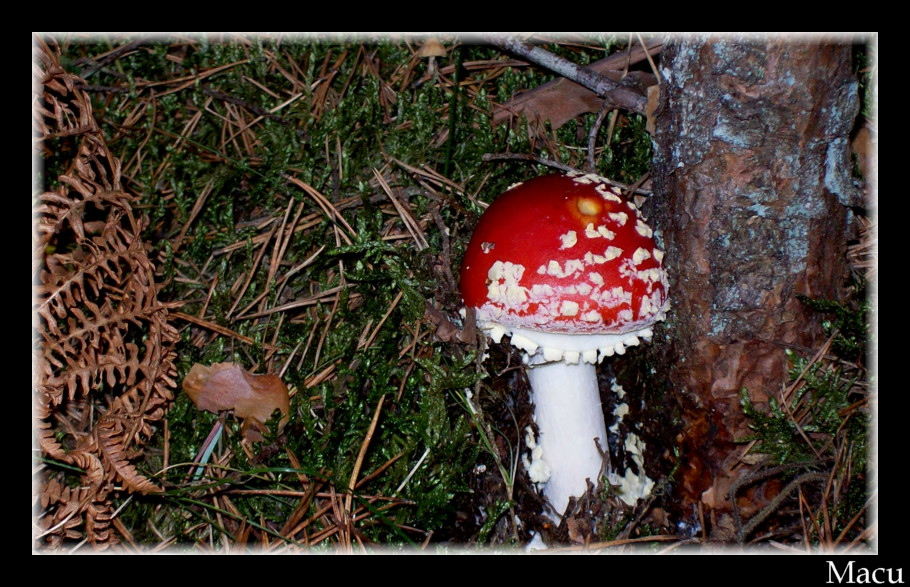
{"x": 190, "y": 80}
{"x": 321, "y": 297}
{"x": 252, "y": 272}
{"x": 363, "y": 451}
{"x": 432, "y": 176}
{"x": 197, "y": 207}
{"x": 403, "y": 211}
{"x": 220, "y": 329}
{"x": 327, "y": 207}
{"x": 369, "y": 341}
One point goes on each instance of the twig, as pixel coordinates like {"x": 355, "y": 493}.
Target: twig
{"x": 111, "y": 56}
{"x": 190, "y": 80}
{"x": 281, "y": 241}
{"x": 592, "y": 136}
{"x": 573, "y": 99}
{"x": 446, "y": 246}
{"x": 822, "y": 352}
{"x": 525, "y": 157}
{"x": 622, "y": 542}
{"x": 758, "y": 518}
{"x": 744, "y": 530}
{"x": 787, "y": 394}
{"x": 601, "y": 85}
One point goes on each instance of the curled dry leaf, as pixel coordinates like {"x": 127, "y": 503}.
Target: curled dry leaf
{"x": 226, "y": 386}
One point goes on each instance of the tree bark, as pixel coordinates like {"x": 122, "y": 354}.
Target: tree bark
{"x": 752, "y": 178}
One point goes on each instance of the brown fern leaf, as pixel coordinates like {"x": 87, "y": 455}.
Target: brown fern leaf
{"x": 104, "y": 369}
{"x": 98, "y": 517}
{"x": 47, "y": 441}
{"x": 63, "y": 513}
{"x": 112, "y": 432}
{"x": 64, "y": 506}
{"x": 55, "y": 114}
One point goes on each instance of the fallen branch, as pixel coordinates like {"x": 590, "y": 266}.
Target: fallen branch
{"x": 562, "y": 100}
{"x": 614, "y": 92}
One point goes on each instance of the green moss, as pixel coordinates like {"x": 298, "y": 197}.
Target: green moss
{"x": 847, "y": 321}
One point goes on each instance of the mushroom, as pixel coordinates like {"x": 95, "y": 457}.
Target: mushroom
{"x": 432, "y": 48}
{"x": 567, "y": 267}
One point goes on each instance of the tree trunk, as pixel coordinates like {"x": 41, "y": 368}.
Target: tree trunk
{"x": 752, "y": 177}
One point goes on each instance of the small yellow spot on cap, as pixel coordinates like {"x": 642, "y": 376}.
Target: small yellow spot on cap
{"x": 588, "y": 206}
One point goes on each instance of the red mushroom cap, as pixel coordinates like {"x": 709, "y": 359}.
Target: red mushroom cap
{"x": 565, "y": 254}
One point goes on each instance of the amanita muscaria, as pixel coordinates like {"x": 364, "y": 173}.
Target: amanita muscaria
{"x": 567, "y": 267}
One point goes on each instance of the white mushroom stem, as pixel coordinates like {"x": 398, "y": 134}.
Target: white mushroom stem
{"x": 567, "y": 408}
{"x": 569, "y": 417}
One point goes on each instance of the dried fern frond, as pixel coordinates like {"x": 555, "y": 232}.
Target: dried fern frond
{"x": 103, "y": 364}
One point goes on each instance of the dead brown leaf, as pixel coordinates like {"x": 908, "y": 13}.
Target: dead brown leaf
{"x": 253, "y": 398}
{"x": 562, "y": 100}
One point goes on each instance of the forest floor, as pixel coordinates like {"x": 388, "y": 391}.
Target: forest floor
{"x": 302, "y": 206}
